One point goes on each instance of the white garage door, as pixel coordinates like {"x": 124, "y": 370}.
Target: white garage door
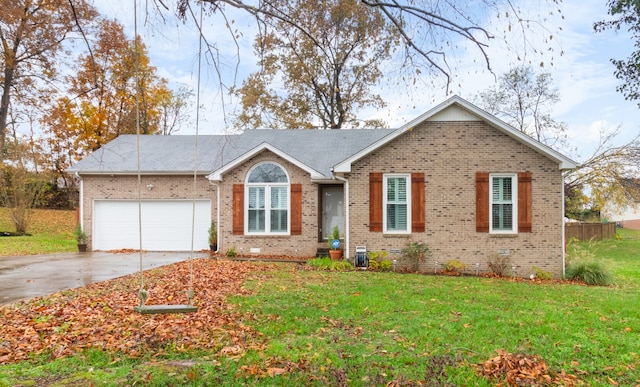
{"x": 166, "y": 225}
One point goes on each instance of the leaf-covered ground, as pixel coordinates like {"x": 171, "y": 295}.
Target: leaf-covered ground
{"x": 101, "y": 315}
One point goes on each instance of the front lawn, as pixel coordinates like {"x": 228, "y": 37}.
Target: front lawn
{"x": 51, "y": 232}
{"x": 284, "y": 324}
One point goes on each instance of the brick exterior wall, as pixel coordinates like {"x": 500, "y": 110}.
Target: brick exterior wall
{"x": 304, "y": 245}
{"x": 449, "y": 154}
{"x": 631, "y": 224}
{"x": 96, "y": 187}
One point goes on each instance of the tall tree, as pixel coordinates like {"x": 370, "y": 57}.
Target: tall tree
{"x": 171, "y": 107}
{"x": 32, "y": 33}
{"x": 318, "y": 75}
{"x": 525, "y": 100}
{"x": 105, "y": 93}
{"x": 606, "y": 171}
{"x": 626, "y": 14}
{"x": 431, "y": 31}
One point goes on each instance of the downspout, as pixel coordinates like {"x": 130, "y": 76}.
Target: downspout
{"x": 81, "y": 203}
{"x": 217, "y": 214}
{"x": 564, "y": 241}
{"x": 346, "y": 213}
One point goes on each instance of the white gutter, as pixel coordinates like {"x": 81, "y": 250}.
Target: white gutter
{"x": 81, "y": 204}
{"x": 564, "y": 242}
{"x": 217, "y": 213}
{"x": 346, "y": 211}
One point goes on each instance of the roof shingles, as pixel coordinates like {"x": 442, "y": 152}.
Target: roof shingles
{"x": 175, "y": 154}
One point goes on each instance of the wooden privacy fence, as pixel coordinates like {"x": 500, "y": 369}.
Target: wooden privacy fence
{"x": 588, "y": 231}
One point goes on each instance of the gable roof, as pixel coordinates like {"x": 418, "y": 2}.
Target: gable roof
{"x": 319, "y": 152}
{"x": 457, "y": 108}
{"x": 218, "y": 153}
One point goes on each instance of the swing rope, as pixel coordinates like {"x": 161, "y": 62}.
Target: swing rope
{"x": 195, "y": 166}
{"x": 143, "y": 294}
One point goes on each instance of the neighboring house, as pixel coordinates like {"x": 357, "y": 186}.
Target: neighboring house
{"x": 629, "y": 215}
{"x": 456, "y": 178}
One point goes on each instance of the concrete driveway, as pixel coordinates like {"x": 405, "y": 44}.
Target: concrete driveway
{"x": 31, "y": 276}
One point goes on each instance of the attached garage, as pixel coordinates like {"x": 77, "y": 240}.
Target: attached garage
{"x": 166, "y": 224}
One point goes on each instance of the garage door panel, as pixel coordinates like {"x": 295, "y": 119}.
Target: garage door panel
{"x": 166, "y": 225}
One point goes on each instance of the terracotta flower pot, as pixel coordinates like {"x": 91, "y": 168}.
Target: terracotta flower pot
{"x": 335, "y": 254}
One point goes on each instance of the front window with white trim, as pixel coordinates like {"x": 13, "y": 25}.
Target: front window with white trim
{"x": 397, "y": 199}
{"x": 503, "y": 195}
{"x": 267, "y": 210}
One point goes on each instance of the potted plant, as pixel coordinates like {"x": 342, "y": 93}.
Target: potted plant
{"x": 334, "y": 244}
{"x": 213, "y": 237}
{"x": 81, "y": 238}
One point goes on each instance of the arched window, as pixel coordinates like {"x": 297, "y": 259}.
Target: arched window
{"x": 267, "y": 209}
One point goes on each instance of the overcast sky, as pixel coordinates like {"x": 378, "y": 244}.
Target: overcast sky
{"x": 583, "y": 74}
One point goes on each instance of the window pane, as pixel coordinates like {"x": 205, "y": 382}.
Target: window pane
{"x": 256, "y": 197}
{"x": 397, "y": 189}
{"x": 502, "y": 217}
{"x": 256, "y": 220}
{"x": 402, "y": 190}
{"x": 502, "y": 191}
{"x": 267, "y": 173}
{"x": 506, "y": 189}
{"x": 502, "y": 203}
{"x": 256, "y": 215}
{"x": 279, "y": 221}
{"x": 391, "y": 190}
{"x": 397, "y": 204}
{"x": 507, "y": 211}
{"x": 279, "y": 209}
{"x": 397, "y": 217}
{"x": 496, "y": 189}
{"x": 279, "y": 197}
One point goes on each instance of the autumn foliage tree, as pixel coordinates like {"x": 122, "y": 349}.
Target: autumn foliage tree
{"x": 317, "y": 76}
{"x": 32, "y": 33}
{"x": 102, "y": 102}
{"x": 525, "y": 100}
{"x": 433, "y": 36}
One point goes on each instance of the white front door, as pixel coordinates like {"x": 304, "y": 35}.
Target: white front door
{"x": 332, "y": 209}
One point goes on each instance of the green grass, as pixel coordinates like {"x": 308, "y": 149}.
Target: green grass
{"x": 51, "y": 232}
{"x": 362, "y": 328}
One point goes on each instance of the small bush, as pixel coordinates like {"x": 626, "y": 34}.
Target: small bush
{"x": 591, "y": 273}
{"x": 454, "y": 266}
{"x": 378, "y": 261}
{"x": 326, "y": 263}
{"x": 232, "y": 252}
{"x": 541, "y": 274}
{"x": 414, "y": 253}
{"x": 580, "y": 252}
{"x": 498, "y": 264}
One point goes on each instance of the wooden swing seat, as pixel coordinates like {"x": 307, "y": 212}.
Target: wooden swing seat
{"x": 159, "y": 309}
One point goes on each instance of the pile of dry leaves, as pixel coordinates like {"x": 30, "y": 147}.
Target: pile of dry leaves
{"x": 522, "y": 370}
{"x": 101, "y": 315}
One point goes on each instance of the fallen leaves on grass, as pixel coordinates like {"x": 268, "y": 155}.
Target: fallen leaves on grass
{"x": 101, "y": 315}
{"x": 522, "y": 370}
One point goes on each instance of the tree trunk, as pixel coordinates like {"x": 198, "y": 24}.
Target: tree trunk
{"x": 4, "y": 108}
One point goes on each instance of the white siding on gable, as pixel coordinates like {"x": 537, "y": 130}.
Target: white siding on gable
{"x": 631, "y": 212}
{"x": 454, "y": 113}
